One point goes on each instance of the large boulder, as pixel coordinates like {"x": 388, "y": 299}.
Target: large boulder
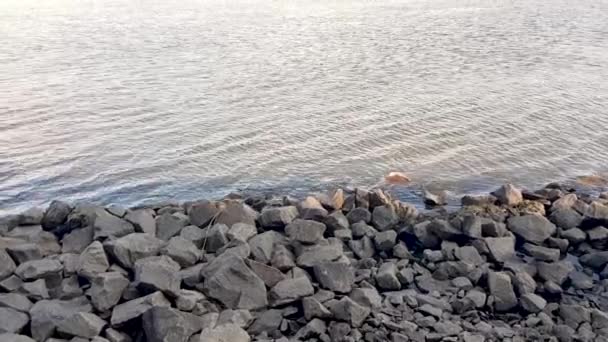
{"x": 107, "y": 225}
{"x": 56, "y": 214}
{"x": 230, "y": 281}
{"x": 305, "y": 231}
{"x": 133, "y": 309}
{"x": 531, "y": 228}
{"x": 128, "y": 249}
{"x": 157, "y": 273}
{"x": 335, "y": 276}
{"x": 107, "y": 289}
{"x": 162, "y": 324}
{"x": 290, "y": 290}
{"x": 278, "y": 217}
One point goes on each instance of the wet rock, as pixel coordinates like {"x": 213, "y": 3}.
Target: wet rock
{"x": 35, "y": 269}
{"x": 128, "y": 249}
{"x": 349, "y": 311}
{"x": 290, "y": 290}
{"x": 92, "y": 261}
{"x": 501, "y": 249}
{"x": 384, "y": 217}
{"x": 508, "y": 195}
{"x": 130, "y": 310}
{"x": 142, "y": 220}
{"x": 278, "y": 217}
{"x": 224, "y": 333}
{"x": 107, "y": 225}
{"x": 56, "y": 214}
{"x": 367, "y": 296}
{"x": 170, "y": 225}
{"x": 106, "y": 290}
{"x": 335, "y": 276}
{"x": 359, "y": 215}
{"x": 532, "y": 228}
{"x": 157, "y": 273}
{"x": 202, "y": 212}
{"x": 500, "y": 287}
{"x": 305, "y": 231}
{"x": 556, "y": 272}
{"x": 7, "y": 265}
{"x": 541, "y": 253}
{"x": 82, "y": 324}
{"x": 12, "y": 320}
{"x": 311, "y": 209}
{"x": 162, "y": 324}
{"x": 532, "y": 303}
{"x": 386, "y": 278}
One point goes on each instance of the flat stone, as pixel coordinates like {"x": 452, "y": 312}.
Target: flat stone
{"x": 234, "y": 212}
{"x": 224, "y": 333}
{"x": 7, "y": 265}
{"x": 56, "y": 214}
{"x": 13, "y": 321}
{"x": 541, "y": 253}
{"x": 142, "y": 220}
{"x": 162, "y": 324}
{"x": 202, "y": 212}
{"x": 508, "y": 195}
{"x": 130, "y": 310}
{"x": 106, "y": 290}
{"x": 92, "y": 261}
{"x": 107, "y": 225}
{"x": 556, "y": 272}
{"x": 241, "y": 231}
{"x": 501, "y": 288}
{"x": 349, "y": 311}
{"x": 335, "y": 276}
{"x": 305, "y": 231}
{"x": 290, "y": 290}
{"x": 532, "y": 303}
{"x": 157, "y": 273}
{"x": 183, "y": 251}
{"x": 170, "y": 225}
{"x": 532, "y": 228}
{"x": 278, "y": 217}
{"x": 35, "y": 269}
{"x": 82, "y": 324}
{"x": 501, "y": 249}
{"x": 128, "y": 249}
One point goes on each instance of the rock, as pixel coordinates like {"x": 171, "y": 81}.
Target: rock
{"x": 15, "y": 301}
{"x": 184, "y": 252}
{"x": 116, "y": 336}
{"x": 595, "y": 260}
{"x": 478, "y": 297}
{"x": 500, "y": 287}
{"x": 336, "y": 221}
{"x": 573, "y": 315}
{"x": 444, "y": 230}
{"x": 24, "y": 252}
{"x": 368, "y": 297}
{"x": 270, "y": 275}
{"x": 107, "y": 225}
{"x": 532, "y": 228}
{"x": 7, "y": 265}
{"x": 56, "y": 214}
{"x": 224, "y": 333}
{"x": 349, "y": 311}
{"x": 425, "y": 236}
{"x": 278, "y": 217}
{"x": 524, "y": 283}
{"x": 386, "y": 278}
{"x": 128, "y": 249}
{"x": 401, "y": 251}
{"x": 162, "y": 324}
{"x": 581, "y": 281}
{"x": 566, "y": 218}
{"x": 532, "y": 303}
{"x": 92, "y": 261}
{"x": 194, "y": 234}
{"x": 574, "y": 235}
{"x": 335, "y": 276}
{"x": 314, "y": 309}
{"x": 235, "y": 212}
{"x": 282, "y": 258}
{"x": 229, "y": 280}
{"x": 46, "y": 315}
{"x": 492, "y": 228}
{"x": 142, "y": 220}
{"x": 447, "y": 328}
{"x": 130, "y": 310}
{"x": 35, "y": 269}
{"x": 169, "y": 225}
{"x": 319, "y": 253}
{"x": 202, "y": 212}
{"x": 598, "y": 236}
{"x": 9, "y": 337}
{"x": 596, "y": 214}
{"x": 242, "y": 318}
{"x": 599, "y": 319}
{"x": 501, "y": 249}
{"x": 215, "y": 238}
{"x": 263, "y": 244}
{"x": 82, "y": 324}
{"x": 305, "y": 231}
{"x": 106, "y": 290}
{"x": 385, "y": 240}
{"x": 556, "y": 272}
{"x": 508, "y": 195}
{"x": 12, "y": 320}
{"x": 77, "y": 240}
{"x": 363, "y": 248}
{"x": 563, "y": 333}
{"x": 359, "y": 215}
{"x": 435, "y": 198}
{"x": 541, "y": 253}
{"x": 361, "y": 229}
{"x": 157, "y": 273}
{"x": 187, "y": 299}
{"x": 241, "y": 231}
{"x": 267, "y": 321}
{"x": 384, "y": 217}
{"x": 11, "y": 283}
{"x": 36, "y": 290}
{"x": 290, "y": 290}
{"x": 471, "y": 226}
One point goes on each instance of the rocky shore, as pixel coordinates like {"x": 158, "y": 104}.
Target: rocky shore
{"x": 349, "y": 265}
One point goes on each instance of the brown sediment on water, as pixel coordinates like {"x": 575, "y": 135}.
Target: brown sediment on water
{"x": 347, "y": 265}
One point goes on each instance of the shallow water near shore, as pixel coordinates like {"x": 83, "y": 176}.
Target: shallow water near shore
{"x": 140, "y": 101}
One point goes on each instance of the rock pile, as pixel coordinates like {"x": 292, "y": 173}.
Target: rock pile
{"x": 345, "y": 266}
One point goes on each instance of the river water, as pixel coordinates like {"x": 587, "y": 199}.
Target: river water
{"x": 128, "y": 101}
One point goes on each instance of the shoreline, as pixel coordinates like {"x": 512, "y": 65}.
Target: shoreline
{"x": 344, "y": 265}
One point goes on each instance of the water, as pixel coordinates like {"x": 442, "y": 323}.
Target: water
{"x": 129, "y": 101}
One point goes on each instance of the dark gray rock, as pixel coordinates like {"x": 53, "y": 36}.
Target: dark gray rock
{"x": 77, "y": 240}
{"x": 133, "y": 309}
{"x": 183, "y": 251}
{"x": 469, "y": 255}
{"x": 157, "y": 273}
{"x": 290, "y": 290}
{"x": 305, "y": 231}
{"x": 500, "y": 287}
{"x": 202, "y": 212}
{"x": 32, "y": 216}
{"x": 235, "y": 212}
{"x": 425, "y": 235}
{"x": 335, "y": 276}
{"x": 82, "y": 324}
{"x": 384, "y": 217}
{"x": 367, "y": 296}
{"x": 266, "y": 321}
{"x": 359, "y": 215}
{"x": 598, "y": 237}
{"x": 229, "y": 280}
{"x": 107, "y": 225}
{"x": 314, "y": 309}
{"x": 56, "y": 214}
{"x": 556, "y": 272}
{"x": 194, "y": 234}
{"x": 581, "y": 281}
{"x": 532, "y": 228}
{"x": 336, "y": 221}
{"x": 278, "y": 217}
{"x": 114, "y": 335}
{"x": 13, "y": 321}
{"x": 566, "y": 218}
{"x": 142, "y": 220}
{"x": 282, "y": 258}
{"x": 46, "y": 315}
{"x": 491, "y": 228}
{"x": 224, "y": 333}
{"x": 162, "y": 324}
{"x": 262, "y": 245}
{"x": 541, "y": 253}
{"x": 574, "y": 314}
{"x": 385, "y": 240}
{"x": 595, "y": 260}
{"x": 170, "y": 225}
{"x": 386, "y": 277}
{"x": 24, "y": 252}
{"x": 532, "y": 303}
{"x": 7, "y": 265}
{"x": 444, "y": 230}
{"x": 35, "y": 269}
{"x": 92, "y": 261}
{"x": 270, "y": 275}
{"x": 36, "y": 290}
{"x": 471, "y": 226}
{"x": 10, "y": 284}
{"x": 350, "y": 311}
{"x": 574, "y": 236}
{"x": 508, "y": 195}
{"x": 128, "y": 249}
{"x": 215, "y": 238}
{"x": 106, "y": 290}
{"x": 523, "y": 282}
{"x": 319, "y": 253}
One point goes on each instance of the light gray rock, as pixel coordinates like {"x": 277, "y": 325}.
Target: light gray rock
{"x": 241, "y": 231}
{"x": 142, "y": 220}
{"x": 24, "y": 252}
{"x": 106, "y": 290}
{"x": 384, "y": 217}
{"x": 35, "y": 269}
{"x": 314, "y": 309}
{"x": 262, "y": 245}
{"x": 499, "y": 284}
{"x": 367, "y": 296}
{"x": 82, "y": 324}
{"x": 469, "y": 255}
{"x": 574, "y": 314}
{"x": 471, "y": 226}
{"x": 107, "y": 225}
{"x": 363, "y": 248}
{"x": 305, "y": 231}
{"x": 532, "y": 303}
{"x": 385, "y": 240}
{"x": 242, "y": 318}
{"x": 234, "y": 212}
{"x": 56, "y": 214}
{"x": 531, "y": 228}
{"x": 501, "y": 249}
{"x": 434, "y": 198}
{"x": 202, "y": 212}
{"x": 478, "y": 297}
{"x": 15, "y": 301}
{"x": 162, "y": 324}
{"x": 266, "y": 321}
{"x": 350, "y": 311}
{"x": 11, "y": 283}
{"x": 224, "y": 333}
{"x": 46, "y": 315}
{"x": 270, "y": 275}
{"x": 170, "y": 225}
{"x": 229, "y": 280}
{"x": 32, "y": 216}
{"x": 132, "y": 309}
{"x": 290, "y": 290}
{"x": 508, "y": 195}
{"x": 556, "y": 272}
{"x": 157, "y": 273}
{"x": 13, "y": 321}
{"x": 386, "y": 278}
{"x": 92, "y": 261}
{"x": 36, "y": 290}
{"x": 523, "y": 282}
{"x": 541, "y": 253}
{"x": 282, "y": 258}
{"x": 77, "y": 240}
{"x": 7, "y": 265}
{"x": 335, "y": 276}
{"x": 193, "y": 234}
{"x": 187, "y": 299}
{"x": 114, "y": 335}
{"x": 319, "y": 253}
{"x": 10, "y": 337}
{"x": 128, "y": 249}
{"x": 278, "y": 217}
{"x": 183, "y": 251}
